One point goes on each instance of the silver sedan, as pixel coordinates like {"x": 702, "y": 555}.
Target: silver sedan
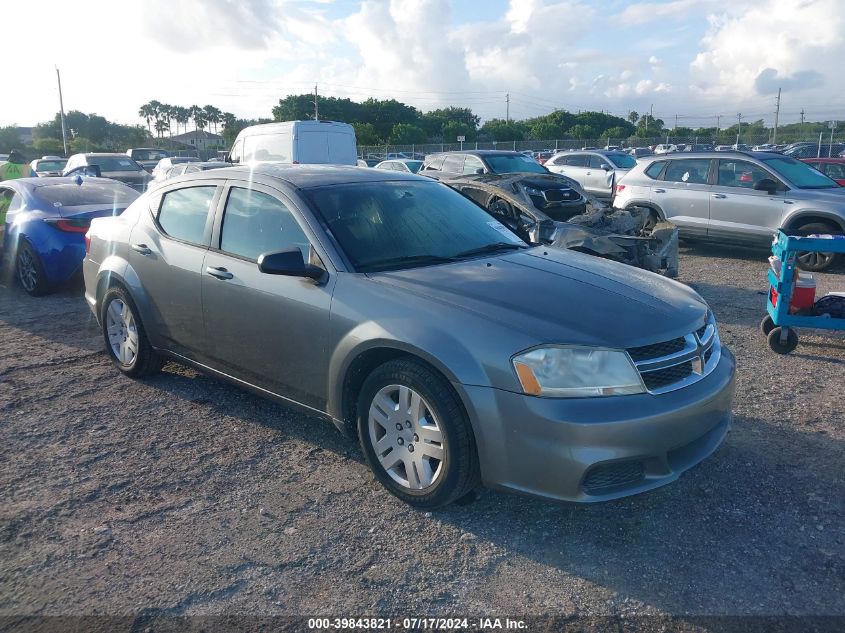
{"x": 401, "y": 311}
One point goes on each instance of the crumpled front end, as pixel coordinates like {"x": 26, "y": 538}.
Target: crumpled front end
{"x": 624, "y": 236}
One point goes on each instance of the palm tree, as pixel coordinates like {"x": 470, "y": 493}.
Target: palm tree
{"x": 198, "y": 114}
{"x": 182, "y": 115}
{"x": 213, "y": 115}
{"x": 146, "y": 112}
{"x": 161, "y": 126}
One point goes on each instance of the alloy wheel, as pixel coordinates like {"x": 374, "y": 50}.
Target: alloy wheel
{"x": 27, "y": 273}
{"x": 406, "y": 437}
{"x": 122, "y": 332}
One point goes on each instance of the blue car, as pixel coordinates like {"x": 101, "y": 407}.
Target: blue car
{"x": 46, "y": 221}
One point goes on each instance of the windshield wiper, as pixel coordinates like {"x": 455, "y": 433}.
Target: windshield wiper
{"x": 491, "y": 248}
{"x": 410, "y": 260}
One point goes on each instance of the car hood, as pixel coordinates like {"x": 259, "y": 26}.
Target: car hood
{"x": 834, "y": 196}
{"x": 559, "y": 296}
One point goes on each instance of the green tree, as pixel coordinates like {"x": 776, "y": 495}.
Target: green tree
{"x": 546, "y": 130}
{"x": 406, "y": 134}
{"x": 633, "y": 117}
{"x": 502, "y": 131}
{"x": 9, "y": 139}
{"x": 453, "y": 129}
{"x": 582, "y": 132}
{"x": 48, "y": 145}
{"x": 365, "y": 134}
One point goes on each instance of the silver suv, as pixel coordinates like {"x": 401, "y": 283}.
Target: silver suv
{"x": 596, "y": 171}
{"x": 737, "y": 197}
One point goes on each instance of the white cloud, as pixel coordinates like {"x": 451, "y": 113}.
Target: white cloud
{"x": 644, "y": 12}
{"x": 798, "y": 44}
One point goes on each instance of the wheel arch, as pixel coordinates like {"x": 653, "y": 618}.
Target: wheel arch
{"x": 805, "y": 216}
{"x": 648, "y": 205}
{"x": 116, "y": 272}
{"x": 363, "y": 360}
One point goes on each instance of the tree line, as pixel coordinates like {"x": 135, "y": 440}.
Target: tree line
{"x": 377, "y": 122}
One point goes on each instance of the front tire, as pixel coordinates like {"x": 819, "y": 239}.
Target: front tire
{"x": 415, "y": 435}
{"x": 30, "y": 271}
{"x": 125, "y": 337}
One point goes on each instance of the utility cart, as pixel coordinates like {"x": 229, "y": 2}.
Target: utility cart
{"x": 784, "y": 311}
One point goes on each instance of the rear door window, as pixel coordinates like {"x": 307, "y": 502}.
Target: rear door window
{"x": 454, "y": 164}
{"x": 183, "y": 213}
{"x": 435, "y": 164}
{"x": 690, "y": 171}
{"x": 579, "y": 160}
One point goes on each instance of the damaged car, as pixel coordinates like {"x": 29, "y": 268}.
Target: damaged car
{"x": 559, "y": 197}
{"x": 625, "y": 236}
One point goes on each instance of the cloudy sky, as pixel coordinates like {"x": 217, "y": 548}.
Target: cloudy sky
{"x": 692, "y": 58}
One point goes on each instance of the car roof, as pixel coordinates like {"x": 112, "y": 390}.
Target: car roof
{"x": 482, "y": 152}
{"x": 32, "y": 184}
{"x": 714, "y": 154}
{"x": 304, "y": 176}
{"x": 823, "y": 159}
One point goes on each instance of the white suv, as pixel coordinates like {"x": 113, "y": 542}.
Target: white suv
{"x": 736, "y": 197}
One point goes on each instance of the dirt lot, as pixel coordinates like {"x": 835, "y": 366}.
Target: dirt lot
{"x": 183, "y": 495}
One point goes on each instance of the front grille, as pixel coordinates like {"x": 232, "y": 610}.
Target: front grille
{"x": 606, "y": 476}
{"x": 662, "y": 377}
{"x": 678, "y": 362}
{"x": 658, "y": 349}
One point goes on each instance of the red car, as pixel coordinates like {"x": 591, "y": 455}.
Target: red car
{"x": 831, "y": 167}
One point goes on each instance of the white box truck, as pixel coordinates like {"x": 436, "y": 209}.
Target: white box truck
{"x": 298, "y": 142}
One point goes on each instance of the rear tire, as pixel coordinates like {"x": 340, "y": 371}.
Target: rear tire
{"x": 810, "y": 261}
{"x": 30, "y": 271}
{"x": 415, "y": 435}
{"x": 767, "y": 325}
{"x": 125, "y": 337}
{"x": 783, "y": 348}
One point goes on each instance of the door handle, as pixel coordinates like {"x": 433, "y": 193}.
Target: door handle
{"x": 220, "y": 273}
{"x": 141, "y": 248}
{"x": 659, "y": 191}
{"x": 720, "y": 196}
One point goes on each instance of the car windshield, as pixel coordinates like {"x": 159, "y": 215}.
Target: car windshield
{"x": 623, "y": 161}
{"x": 383, "y": 226}
{"x": 71, "y": 194}
{"x": 148, "y": 154}
{"x": 413, "y": 165}
{"x": 50, "y": 165}
{"x": 800, "y": 174}
{"x": 113, "y": 163}
{"x": 514, "y": 164}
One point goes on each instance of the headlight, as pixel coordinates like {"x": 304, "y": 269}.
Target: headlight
{"x": 533, "y": 191}
{"x": 577, "y": 372}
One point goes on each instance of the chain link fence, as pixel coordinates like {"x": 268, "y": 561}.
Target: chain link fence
{"x": 382, "y": 152}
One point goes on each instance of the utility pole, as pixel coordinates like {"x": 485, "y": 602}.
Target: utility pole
{"x": 316, "y": 107}
{"x": 507, "y": 107}
{"x": 738, "y": 129}
{"x": 802, "y": 123}
{"x": 718, "y": 127}
{"x": 777, "y": 114}
{"x": 830, "y": 147}
{"x": 62, "y": 110}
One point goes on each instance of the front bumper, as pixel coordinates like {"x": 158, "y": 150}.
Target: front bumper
{"x": 596, "y": 449}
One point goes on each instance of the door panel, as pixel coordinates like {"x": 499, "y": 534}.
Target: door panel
{"x": 269, "y": 330}
{"x": 738, "y": 211}
{"x": 684, "y": 195}
{"x": 170, "y": 269}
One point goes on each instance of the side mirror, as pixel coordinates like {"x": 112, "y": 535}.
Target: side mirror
{"x": 766, "y": 184}
{"x": 605, "y": 167}
{"x": 480, "y": 170}
{"x": 527, "y": 221}
{"x": 290, "y": 263}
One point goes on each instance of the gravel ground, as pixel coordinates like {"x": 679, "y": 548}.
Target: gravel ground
{"x": 182, "y": 495}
